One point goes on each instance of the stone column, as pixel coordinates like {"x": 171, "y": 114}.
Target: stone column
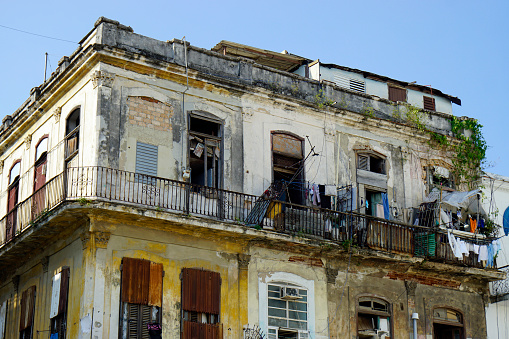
{"x": 243, "y": 260}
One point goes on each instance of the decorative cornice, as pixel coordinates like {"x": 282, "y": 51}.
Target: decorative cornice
{"x": 85, "y": 239}
{"x": 28, "y": 141}
{"x": 244, "y": 260}
{"x": 101, "y": 239}
{"x": 102, "y": 78}
{"x": 15, "y": 283}
{"x": 56, "y": 113}
{"x": 45, "y": 264}
{"x": 410, "y": 287}
{"x": 331, "y": 274}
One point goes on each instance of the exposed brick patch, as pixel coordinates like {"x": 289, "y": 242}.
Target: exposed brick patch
{"x": 149, "y": 112}
{"x": 305, "y": 260}
{"x": 423, "y": 279}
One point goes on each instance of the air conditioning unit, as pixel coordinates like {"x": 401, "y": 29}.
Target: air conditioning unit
{"x": 289, "y": 293}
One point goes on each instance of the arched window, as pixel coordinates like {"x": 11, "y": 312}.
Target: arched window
{"x": 447, "y": 323}
{"x": 72, "y": 129}
{"x": 373, "y": 318}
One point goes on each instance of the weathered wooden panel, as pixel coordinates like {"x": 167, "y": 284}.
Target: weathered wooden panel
{"x": 194, "y": 330}
{"x": 27, "y": 308}
{"x": 201, "y": 290}
{"x": 287, "y": 144}
{"x": 155, "y": 284}
{"x": 64, "y": 290}
{"x": 135, "y": 280}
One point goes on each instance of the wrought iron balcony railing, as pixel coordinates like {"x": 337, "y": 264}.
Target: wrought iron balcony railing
{"x": 346, "y": 228}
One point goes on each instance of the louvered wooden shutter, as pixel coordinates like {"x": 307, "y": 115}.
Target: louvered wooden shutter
{"x": 137, "y": 319}
{"x": 194, "y": 330}
{"x": 60, "y": 290}
{"x": 429, "y": 103}
{"x": 201, "y": 291}
{"x": 27, "y": 308}
{"x": 397, "y": 94}
{"x": 146, "y": 159}
{"x": 142, "y": 282}
{"x": 363, "y": 162}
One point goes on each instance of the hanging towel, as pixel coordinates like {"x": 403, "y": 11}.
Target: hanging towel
{"x": 463, "y": 247}
{"x": 385, "y": 202}
{"x": 481, "y": 223}
{"x": 476, "y": 249}
{"x": 454, "y": 245}
{"x": 473, "y": 225}
{"x": 491, "y": 256}
{"x": 483, "y": 253}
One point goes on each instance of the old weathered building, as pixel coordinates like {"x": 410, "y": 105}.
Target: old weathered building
{"x": 218, "y": 194}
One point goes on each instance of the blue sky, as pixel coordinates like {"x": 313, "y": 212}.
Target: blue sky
{"x": 459, "y": 47}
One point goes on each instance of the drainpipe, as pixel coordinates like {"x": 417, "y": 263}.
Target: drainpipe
{"x": 184, "y": 116}
{"x": 415, "y": 317}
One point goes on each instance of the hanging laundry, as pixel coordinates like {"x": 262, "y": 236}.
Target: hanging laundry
{"x": 476, "y": 249}
{"x": 454, "y": 245}
{"x": 481, "y": 223}
{"x": 386, "y": 209}
{"x": 473, "y": 225}
{"x": 491, "y": 256}
{"x": 483, "y": 253}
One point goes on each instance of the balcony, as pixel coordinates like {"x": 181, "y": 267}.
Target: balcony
{"x": 99, "y": 184}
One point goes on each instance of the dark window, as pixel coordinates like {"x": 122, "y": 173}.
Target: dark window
{"x": 447, "y": 323}
{"x": 201, "y": 293}
{"x": 72, "y": 129}
{"x": 141, "y": 296}
{"x": 26, "y": 321}
{"x": 39, "y": 197}
{"x": 429, "y": 103}
{"x": 59, "y": 297}
{"x": 373, "y": 318}
{"x": 397, "y": 94}
{"x": 287, "y": 165}
{"x": 205, "y": 151}
{"x": 372, "y": 163}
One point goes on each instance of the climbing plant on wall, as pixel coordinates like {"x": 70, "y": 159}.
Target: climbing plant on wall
{"x": 468, "y": 150}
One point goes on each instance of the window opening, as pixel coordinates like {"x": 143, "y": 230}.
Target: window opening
{"x": 439, "y": 177}
{"x": 26, "y": 321}
{"x": 287, "y": 311}
{"x": 12, "y": 200}
{"x": 373, "y": 318}
{"x": 39, "y": 197}
{"x": 201, "y": 293}
{"x": 141, "y": 296}
{"x": 372, "y": 163}
{"x": 205, "y": 151}
{"x": 447, "y": 323}
{"x": 287, "y": 163}
{"x": 374, "y": 204}
{"x": 72, "y": 135}
{"x": 59, "y": 297}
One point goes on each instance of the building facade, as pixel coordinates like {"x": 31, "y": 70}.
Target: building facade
{"x": 216, "y": 194}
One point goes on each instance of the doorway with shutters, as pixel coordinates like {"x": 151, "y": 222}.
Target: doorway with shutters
{"x": 39, "y": 197}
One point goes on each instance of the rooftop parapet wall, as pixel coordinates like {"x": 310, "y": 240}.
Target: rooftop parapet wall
{"x": 235, "y": 71}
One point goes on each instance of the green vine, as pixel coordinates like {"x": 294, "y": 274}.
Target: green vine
{"x": 322, "y": 100}
{"x": 469, "y": 153}
{"x": 470, "y": 156}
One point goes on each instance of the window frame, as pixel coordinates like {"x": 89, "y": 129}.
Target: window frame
{"x": 219, "y": 139}
{"x": 290, "y": 278}
{"x": 461, "y": 325}
{"x": 373, "y": 312}
{"x": 393, "y": 96}
{"x": 371, "y": 155}
{"x": 69, "y": 134}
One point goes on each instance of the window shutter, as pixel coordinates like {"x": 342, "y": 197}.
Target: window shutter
{"x": 3, "y": 319}
{"x": 146, "y": 159}
{"x": 363, "y": 162}
{"x": 155, "y": 291}
{"x": 201, "y": 291}
{"x": 429, "y": 103}
{"x": 55, "y": 295}
{"x": 27, "y": 308}
{"x": 397, "y": 94}
{"x": 64, "y": 290}
{"x": 142, "y": 282}
{"x": 135, "y": 280}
